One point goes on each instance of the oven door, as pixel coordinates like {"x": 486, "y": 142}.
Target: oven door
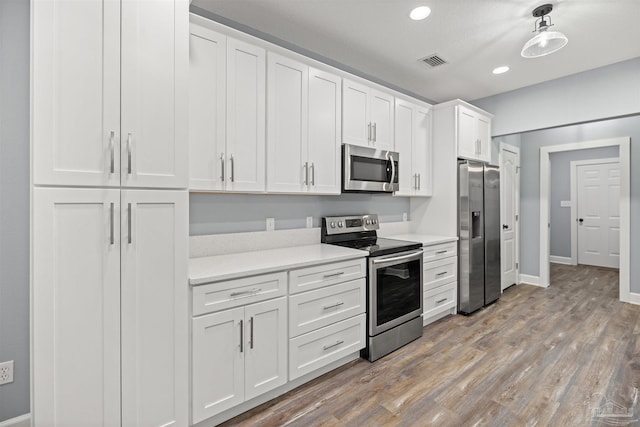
{"x": 368, "y": 169}
{"x": 395, "y": 290}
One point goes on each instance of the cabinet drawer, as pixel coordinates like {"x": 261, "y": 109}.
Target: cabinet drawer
{"x": 439, "y": 299}
{"x": 320, "y": 276}
{"x": 316, "y": 349}
{"x": 232, "y": 293}
{"x": 321, "y": 307}
{"x": 437, "y": 273}
{"x": 439, "y": 251}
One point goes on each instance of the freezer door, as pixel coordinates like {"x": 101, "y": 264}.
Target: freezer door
{"x": 492, "y": 269}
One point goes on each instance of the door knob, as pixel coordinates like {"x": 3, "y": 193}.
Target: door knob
{"x": 505, "y": 226}
{"x": 580, "y": 220}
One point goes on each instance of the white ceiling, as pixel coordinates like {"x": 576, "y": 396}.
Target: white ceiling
{"x": 473, "y": 36}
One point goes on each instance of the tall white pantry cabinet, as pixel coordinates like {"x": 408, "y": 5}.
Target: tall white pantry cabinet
{"x": 109, "y": 213}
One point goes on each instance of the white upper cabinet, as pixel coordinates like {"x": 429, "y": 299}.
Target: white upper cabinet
{"x": 109, "y": 99}
{"x": 413, "y": 142}
{"x": 303, "y": 114}
{"x": 367, "y": 116}
{"x": 474, "y": 134}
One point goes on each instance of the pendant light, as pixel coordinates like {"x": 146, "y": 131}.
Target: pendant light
{"x": 545, "y": 42}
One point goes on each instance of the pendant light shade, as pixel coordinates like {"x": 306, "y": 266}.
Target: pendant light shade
{"x": 545, "y": 42}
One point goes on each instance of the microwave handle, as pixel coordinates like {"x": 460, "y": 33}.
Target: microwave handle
{"x": 393, "y": 168}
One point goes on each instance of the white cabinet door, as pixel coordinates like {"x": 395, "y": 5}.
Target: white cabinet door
{"x": 467, "y": 141}
{"x": 266, "y": 346}
{"x": 76, "y": 101}
{"x": 404, "y": 129}
{"x": 356, "y": 125}
{"x": 154, "y": 308}
{"x": 154, "y": 93}
{"x": 324, "y": 132}
{"x": 483, "y": 133}
{"x": 422, "y": 151}
{"x": 287, "y": 89}
{"x": 76, "y": 307}
{"x": 382, "y": 120}
{"x": 245, "y": 157}
{"x": 217, "y": 363}
{"x": 207, "y": 104}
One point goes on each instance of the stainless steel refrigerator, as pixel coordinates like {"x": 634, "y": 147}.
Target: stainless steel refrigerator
{"x": 479, "y": 235}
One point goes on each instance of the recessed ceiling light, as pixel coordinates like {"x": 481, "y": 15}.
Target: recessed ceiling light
{"x": 420, "y": 13}
{"x": 500, "y": 70}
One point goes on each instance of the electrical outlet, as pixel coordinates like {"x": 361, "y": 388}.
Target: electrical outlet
{"x": 6, "y": 372}
{"x": 404, "y": 216}
{"x": 271, "y": 224}
{"x": 309, "y": 221}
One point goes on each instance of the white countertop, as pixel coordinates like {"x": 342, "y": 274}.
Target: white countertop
{"x": 425, "y": 239}
{"x": 232, "y": 266}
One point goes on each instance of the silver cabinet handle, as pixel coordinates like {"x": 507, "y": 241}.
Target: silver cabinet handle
{"x": 415, "y": 181}
{"x": 327, "y": 307}
{"x": 129, "y": 239}
{"x": 129, "y": 166}
{"x": 313, "y": 174}
{"x": 251, "y": 332}
{"x": 419, "y": 181}
{"x": 111, "y": 225}
{"x": 327, "y": 347}
{"x": 232, "y": 168}
{"x": 306, "y": 173}
{"x": 441, "y": 252}
{"x": 441, "y": 273}
{"x": 393, "y": 169}
{"x": 222, "y": 167}
{"x": 375, "y": 132}
{"x": 340, "y": 273}
{"x": 251, "y": 292}
{"x": 241, "y": 336}
{"x": 112, "y": 148}
{"x": 441, "y": 301}
{"x": 369, "y": 132}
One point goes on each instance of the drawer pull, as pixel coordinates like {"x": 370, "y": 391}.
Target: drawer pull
{"x": 327, "y": 347}
{"x": 247, "y": 293}
{"x": 441, "y": 301}
{"x": 327, "y": 307}
{"x": 441, "y": 273}
{"x": 326, "y": 276}
{"x": 441, "y": 252}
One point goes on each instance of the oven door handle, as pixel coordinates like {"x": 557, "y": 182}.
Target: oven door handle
{"x": 398, "y": 258}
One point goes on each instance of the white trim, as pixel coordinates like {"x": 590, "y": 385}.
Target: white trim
{"x": 573, "y": 182}
{"x": 625, "y": 207}
{"x": 526, "y": 279}
{"x": 21, "y": 421}
{"x": 560, "y": 260}
{"x": 512, "y": 148}
{"x": 633, "y": 298}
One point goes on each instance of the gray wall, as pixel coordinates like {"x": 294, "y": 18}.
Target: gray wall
{"x": 605, "y": 92}
{"x": 14, "y": 203}
{"x": 560, "y": 167}
{"x": 530, "y": 183}
{"x": 232, "y": 213}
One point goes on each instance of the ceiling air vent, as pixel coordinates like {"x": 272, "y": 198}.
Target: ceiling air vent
{"x": 433, "y": 60}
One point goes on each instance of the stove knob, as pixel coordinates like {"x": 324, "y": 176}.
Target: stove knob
{"x": 374, "y": 221}
{"x": 333, "y": 224}
{"x": 368, "y": 222}
{"x": 340, "y": 224}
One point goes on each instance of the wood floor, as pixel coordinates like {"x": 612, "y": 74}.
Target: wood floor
{"x": 537, "y": 357}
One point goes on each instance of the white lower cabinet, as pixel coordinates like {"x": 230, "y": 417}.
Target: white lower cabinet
{"x": 237, "y": 354}
{"x": 440, "y": 273}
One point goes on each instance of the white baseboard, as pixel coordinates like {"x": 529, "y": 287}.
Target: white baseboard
{"x": 560, "y": 260}
{"x": 531, "y": 280}
{"x": 632, "y": 298}
{"x": 21, "y": 421}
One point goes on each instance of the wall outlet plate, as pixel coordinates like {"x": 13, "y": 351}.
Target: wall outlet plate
{"x": 404, "y": 216}
{"x": 565, "y": 203}
{"x": 6, "y": 372}
{"x": 309, "y": 221}
{"x": 271, "y": 224}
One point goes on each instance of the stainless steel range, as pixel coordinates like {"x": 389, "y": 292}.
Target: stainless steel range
{"x": 394, "y": 282}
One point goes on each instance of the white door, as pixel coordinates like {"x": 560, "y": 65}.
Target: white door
{"x": 207, "y": 104}
{"x": 154, "y": 87}
{"x": 467, "y": 141}
{"x": 382, "y": 120}
{"x": 217, "y": 363}
{"x": 245, "y": 157}
{"x": 356, "y": 124}
{"x": 422, "y": 151}
{"x": 287, "y": 109}
{"x": 404, "y": 129}
{"x": 599, "y": 214}
{"x": 76, "y": 307}
{"x": 509, "y": 207}
{"x": 154, "y": 308}
{"x": 266, "y": 346}
{"x": 76, "y": 104}
{"x": 324, "y": 129}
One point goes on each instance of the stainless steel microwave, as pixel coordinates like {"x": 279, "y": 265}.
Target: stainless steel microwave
{"x": 369, "y": 170}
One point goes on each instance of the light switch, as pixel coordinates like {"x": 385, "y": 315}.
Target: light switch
{"x": 565, "y": 203}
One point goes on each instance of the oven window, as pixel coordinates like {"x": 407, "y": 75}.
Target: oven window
{"x": 370, "y": 170}
{"x": 398, "y": 290}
